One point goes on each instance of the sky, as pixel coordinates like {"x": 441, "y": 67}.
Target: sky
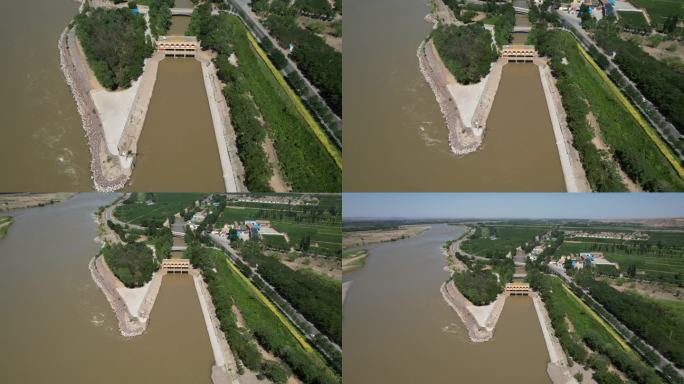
{"x": 513, "y": 205}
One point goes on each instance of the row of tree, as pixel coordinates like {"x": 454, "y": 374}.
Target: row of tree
{"x": 319, "y": 62}
{"x": 131, "y": 263}
{"x": 659, "y": 82}
{"x": 654, "y": 322}
{"x": 258, "y": 106}
{"x": 315, "y": 297}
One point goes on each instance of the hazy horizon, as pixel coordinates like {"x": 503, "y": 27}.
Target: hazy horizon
{"x": 445, "y": 206}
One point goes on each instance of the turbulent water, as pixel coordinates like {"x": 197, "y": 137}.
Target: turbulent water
{"x": 395, "y": 136}
{"x": 56, "y": 325}
{"x": 43, "y": 145}
{"x": 399, "y": 329}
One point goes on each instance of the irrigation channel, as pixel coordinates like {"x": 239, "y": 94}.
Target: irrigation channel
{"x": 399, "y": 329}
{"x": 57, "y": 326}
{"x": 177, "y": 150}
{"x": 394, "y": 126}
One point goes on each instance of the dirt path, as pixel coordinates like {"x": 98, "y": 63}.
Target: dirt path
{"x": 277, "y": 181}
{"x": 602, "y": 146}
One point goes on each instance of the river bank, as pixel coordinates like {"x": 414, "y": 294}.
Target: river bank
{"x": 462, "y": 140}
{"x": 107, "y": 175}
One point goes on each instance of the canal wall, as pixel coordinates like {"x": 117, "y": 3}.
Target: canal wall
{"x": 231, "y": 165}
{"x": 225, "y": 369}
{"x": 557, "y": 368}
{"x": 571, "y": 165}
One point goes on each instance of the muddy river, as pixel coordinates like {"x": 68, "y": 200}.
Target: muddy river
{"x": 44, "y": 148}
{"x": 57, "y": 327}
{"x": 399, "y": 329}
{"x": 395, "y": 135}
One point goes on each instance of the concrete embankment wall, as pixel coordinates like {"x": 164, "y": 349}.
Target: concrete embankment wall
{"x": 233, "y": 171}
{"x": 557, "y": 368}
{"x": 573, "y": 172}
{"x": 225, "y": 367}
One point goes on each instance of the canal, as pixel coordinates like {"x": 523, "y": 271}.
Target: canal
{"x": 395, "y": 135}
{"x": 40, "y": 127}
{"x": 57, "y": 326}
{"x": 399, "y": 329}
{"x": 177, "y": 149}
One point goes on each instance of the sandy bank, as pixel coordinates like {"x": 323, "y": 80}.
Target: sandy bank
{"x": 345, "y": 287}
{"x": 479, "y": 321}
{"x": 132, "y": 318}
{"x": 359, "y": 238}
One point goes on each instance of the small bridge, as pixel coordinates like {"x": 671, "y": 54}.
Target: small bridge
{"x": 517, "y": 289}
{"x": 522, "y": 29}
{"x": 178, "y": 46}
{"x": 176, "y": 265}
{"x": 181, "y": 11}
{"x": 179, "y": 248}
{"x": 521, "y": 10}
{"x": 519, "y": 53}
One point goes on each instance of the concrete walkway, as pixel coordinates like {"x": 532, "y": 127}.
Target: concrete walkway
{"x": 573, "y": 172}
{"x": 215, "y": 98}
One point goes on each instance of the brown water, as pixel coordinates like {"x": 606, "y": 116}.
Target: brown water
{"x": 183, "y": 4}
{"x": 56, "y": 325}
{"x": 43, "y": 145}
{"x": 179, "y": 24}
{"x": 177, "y": 149}
{"x": 395, "y": 135}
{"x": 399, "y": 329}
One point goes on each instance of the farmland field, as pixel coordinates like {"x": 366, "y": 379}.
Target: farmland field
{"x": 497, "y": 241}
{"x": 634, "y": 21}
{"x": 659, "y": 10}
{"x": 138, "y": 211}
{"x": 275, "y": 241}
